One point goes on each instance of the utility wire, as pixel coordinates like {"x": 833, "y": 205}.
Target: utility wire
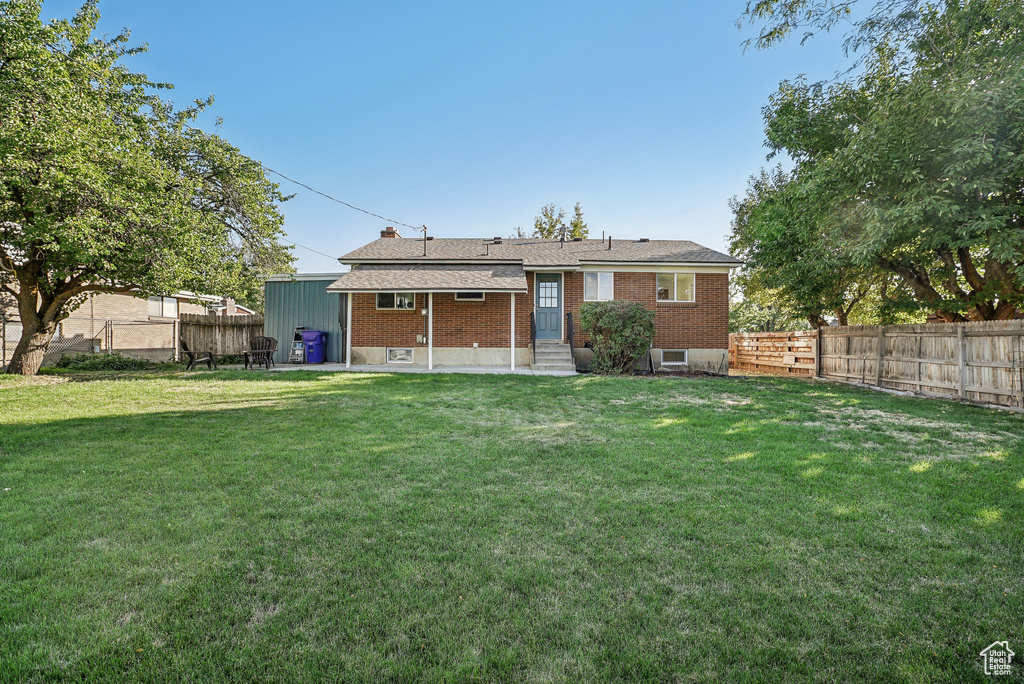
{"x": 335, "y": 199}
{"x": 296, "y": 244}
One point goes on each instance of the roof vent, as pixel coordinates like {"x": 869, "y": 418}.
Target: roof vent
{"x": 430, "y": 237}
{"x": 497, "y": 240}
{"x": 645, "y": 239}
{"x": 577, "y": 239}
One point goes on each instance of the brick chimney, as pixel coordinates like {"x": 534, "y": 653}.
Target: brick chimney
{"x": 389, "y": 232}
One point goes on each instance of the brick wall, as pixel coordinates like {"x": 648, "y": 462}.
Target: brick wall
{"x": 108, "y": 306}
{"x": 703, "y": 324}
{"x": 126, "y": 307}
{"x": 456, "y": 323}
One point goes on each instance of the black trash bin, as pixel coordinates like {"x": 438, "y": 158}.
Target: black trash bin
{"x": 316, "y": 345}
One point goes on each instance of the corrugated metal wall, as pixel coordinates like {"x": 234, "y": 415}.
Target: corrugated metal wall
{"x": 306, "y": 303}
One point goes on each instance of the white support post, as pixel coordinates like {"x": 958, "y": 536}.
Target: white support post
{"x": 512, "y": 329}
{"x": 430, "y": 331}
{"x": 348, "y": 332}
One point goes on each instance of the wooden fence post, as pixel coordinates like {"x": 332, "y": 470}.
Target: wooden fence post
{"x": 962, "y": 361}
{"x": 817, "y": 354}
{"x": 881, "y": 356}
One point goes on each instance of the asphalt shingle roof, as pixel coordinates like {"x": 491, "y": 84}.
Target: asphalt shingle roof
{"x": 538, "y": 252}
{"x": 432, "y": 278}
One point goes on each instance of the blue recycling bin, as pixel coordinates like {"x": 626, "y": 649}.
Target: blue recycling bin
{"x": 316, "y": 345}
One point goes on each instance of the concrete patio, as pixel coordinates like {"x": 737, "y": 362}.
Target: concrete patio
{"x": 395, "y": 368}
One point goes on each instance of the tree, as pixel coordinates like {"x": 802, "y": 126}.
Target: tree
{"x": 105, "y": 187}
{"x": 889, "y": 21}
{"x": 551, "y": 223}
{"x": 790, "y": 262}
{"x": 761, "y": 312}
{"x": 915, "y": 169}
{"x": 577, "y": 227}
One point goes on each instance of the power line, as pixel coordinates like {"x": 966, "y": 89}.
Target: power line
{"x": 335, "y": 199}
{"x": 296, "y": 244}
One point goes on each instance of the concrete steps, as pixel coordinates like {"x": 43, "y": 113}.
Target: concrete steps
{"x": 553, "y": 356}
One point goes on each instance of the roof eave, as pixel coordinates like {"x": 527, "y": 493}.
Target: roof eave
{"x": 490, "y": 261}
{"x": 432, "y": 289}
{"x": 653, "y": 262}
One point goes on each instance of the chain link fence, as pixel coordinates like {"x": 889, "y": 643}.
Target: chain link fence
{"x": 151, "y": 340}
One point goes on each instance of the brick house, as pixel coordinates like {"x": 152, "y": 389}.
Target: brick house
{"x": 470, "y": 301}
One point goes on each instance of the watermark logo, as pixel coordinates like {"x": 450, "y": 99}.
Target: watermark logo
{"x": 997, "y": 658}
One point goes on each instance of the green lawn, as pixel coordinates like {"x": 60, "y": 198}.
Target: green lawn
{"x": 296, "y": 526}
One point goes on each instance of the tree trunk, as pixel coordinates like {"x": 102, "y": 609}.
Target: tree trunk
{"x": 28, "y": 355}
{"x": 817, "y": 321}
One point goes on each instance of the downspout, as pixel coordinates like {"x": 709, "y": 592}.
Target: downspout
{"x": 512, "y": 329}
{"x": 348, "y": 332}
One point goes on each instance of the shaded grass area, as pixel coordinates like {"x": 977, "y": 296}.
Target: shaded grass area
{"x": 232, "y": 526}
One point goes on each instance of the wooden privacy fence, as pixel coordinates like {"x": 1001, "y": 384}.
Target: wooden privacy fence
{"x": 220, "y": 334}
{"x": 789, "y": 353}
{"x": 981, "y": 362}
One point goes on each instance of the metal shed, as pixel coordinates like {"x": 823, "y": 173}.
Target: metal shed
{"x": 302, "y": 299}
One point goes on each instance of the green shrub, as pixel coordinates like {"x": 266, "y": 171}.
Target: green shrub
{"x": 102, "y": 362}
{"x": 229, "y": 359}
{"x": 620, "y": 332}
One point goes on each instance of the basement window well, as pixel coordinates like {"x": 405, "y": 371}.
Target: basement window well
{"x": 673, "y": 357}
{"x": 399, "y": 355}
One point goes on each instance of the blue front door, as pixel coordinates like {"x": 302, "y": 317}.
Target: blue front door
{"x": 549, "y": 306}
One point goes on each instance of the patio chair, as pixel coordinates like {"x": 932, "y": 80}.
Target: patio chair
{"x": 196, "y": 357}
{"x": 261, "y": 351}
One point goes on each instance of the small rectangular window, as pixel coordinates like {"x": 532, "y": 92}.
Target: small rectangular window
{"x": 396, "y": 300}
{"x": 400, "y": 355}
{"x": 163, "y": 307}
{"x": 598, "y": 287}
{"x": 673, "y": 357}
{"x": 469, "y": 296}
{"x": 676, "y": 287}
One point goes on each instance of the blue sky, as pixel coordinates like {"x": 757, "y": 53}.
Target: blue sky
{"x": 469, "y": 116}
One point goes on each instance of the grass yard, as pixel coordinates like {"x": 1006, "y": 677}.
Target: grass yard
{"x": 232, "y": 527}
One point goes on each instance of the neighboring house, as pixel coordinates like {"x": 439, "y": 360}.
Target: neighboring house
{"x": 132, "y": 326}
{"x": 226, "y": 306}
{"x": 466, "y": 301}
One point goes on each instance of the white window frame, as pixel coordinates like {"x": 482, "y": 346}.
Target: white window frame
{"x": 162, "y": 303}
{"x": 461, "y": 296}
{"x": 411, "y": 350}
{"x": 670, "y": 364}
{"x": 412, "y": 300}
{"x": 600, "y": 275}
{"x": 675, "y": 287}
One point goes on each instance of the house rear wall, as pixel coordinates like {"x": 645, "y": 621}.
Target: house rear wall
{"x": 703, "y": 324}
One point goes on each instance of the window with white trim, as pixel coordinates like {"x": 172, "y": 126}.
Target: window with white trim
{"x": 163, "y": 307}
{"x": 469, "y": 296}
{"x": 673, "y": 357}
{"x": 402, "y": 301}
{"x": 598, "y": 287}
{"x": 677, "y": 287}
